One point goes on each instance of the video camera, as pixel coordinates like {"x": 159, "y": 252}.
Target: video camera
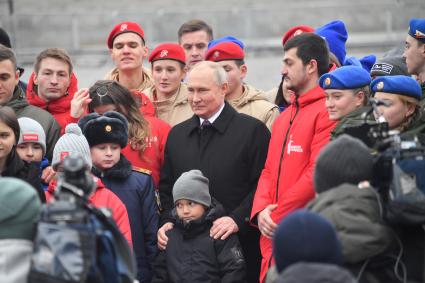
{"x": 75, "y": 185}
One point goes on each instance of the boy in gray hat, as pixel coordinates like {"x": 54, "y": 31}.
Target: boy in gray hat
{"x": 192, "y": 255}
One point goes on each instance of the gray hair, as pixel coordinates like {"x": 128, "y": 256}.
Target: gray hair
{"x": 219, "y": 74}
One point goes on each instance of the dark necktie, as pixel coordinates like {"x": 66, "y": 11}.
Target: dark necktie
{"x": 205, "y": 124}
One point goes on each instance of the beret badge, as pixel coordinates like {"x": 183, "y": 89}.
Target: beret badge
{"x": 108, "y": 128}
{"x": 380, "y": 86}
{"x": 327, "y": 81}
{"x": 163, "y": 53}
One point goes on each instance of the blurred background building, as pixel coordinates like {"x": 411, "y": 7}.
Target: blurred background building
{"x": 82, "y": 26}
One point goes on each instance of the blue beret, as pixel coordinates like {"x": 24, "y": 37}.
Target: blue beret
{"x": 346, "y": 77}
{"x": 365, "y": 62}
{"x": 226, "y": 39}
{"x": 402, "y": 85}
{"x": 417, "y": 29}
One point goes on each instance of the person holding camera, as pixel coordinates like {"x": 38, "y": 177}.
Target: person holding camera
{"x": 401, "y": 96}
{"x": 107, "y": 135}
{"x": 73, "y": 143}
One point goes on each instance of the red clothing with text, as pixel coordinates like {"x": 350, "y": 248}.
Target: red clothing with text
{"x": 305, "y": 136}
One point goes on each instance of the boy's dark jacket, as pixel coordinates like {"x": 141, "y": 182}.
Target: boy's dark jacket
{"x": 136, "y": 191}
{"x": 193, "y": 256}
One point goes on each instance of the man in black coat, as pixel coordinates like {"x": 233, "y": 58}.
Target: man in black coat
{"x": 229, "y": 148}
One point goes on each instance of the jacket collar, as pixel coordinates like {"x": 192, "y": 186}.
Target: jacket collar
{"x": 309, "y": 97}
{"x": 220, "y": 124}
{"x": 59, "y": 106}
{"x": 121, "y": 170}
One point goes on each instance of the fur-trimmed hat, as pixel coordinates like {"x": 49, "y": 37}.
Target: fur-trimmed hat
{"x": 111, "y": 127}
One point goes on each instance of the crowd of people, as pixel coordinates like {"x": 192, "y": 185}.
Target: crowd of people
{"x": 208, "y": 178}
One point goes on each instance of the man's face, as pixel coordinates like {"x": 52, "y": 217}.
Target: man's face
{"x": 9, "y": 78}
{"x": 128, "y": 51}
{"x": 235, "y": 75}
{"x": 53, "y": 79}
{"x": 339, "y": 102}
{"x": 205, "y": 96}
{"x": 414, "y": 53}
{"x": 294, "y": 71}
{"x": 195, "y": 45}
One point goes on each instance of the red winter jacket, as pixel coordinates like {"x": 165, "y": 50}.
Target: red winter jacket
{"x": 103, "y": 197}
{"x": 60, "y": 108}
{"x": 153, "y": 156}
{"x": 146, "y": 106}
{"x": 305, "y": 136}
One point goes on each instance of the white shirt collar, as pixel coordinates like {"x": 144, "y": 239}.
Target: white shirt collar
{"x": 213, "y": 117}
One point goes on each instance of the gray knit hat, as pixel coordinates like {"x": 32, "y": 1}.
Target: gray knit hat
{"x": 344, "y": 160}
{"x": 31, "y": 131}
{"x": 20, "y": 209}
{"x": 73, "y": 143}
{"x": 390, "y": 66}
{"x": 192, "y": 185}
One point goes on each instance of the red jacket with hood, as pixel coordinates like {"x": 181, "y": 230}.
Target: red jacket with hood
{"x": 103, "y": 197}
{"x": 60, "y": 108}
{"x": 298, "y": 135}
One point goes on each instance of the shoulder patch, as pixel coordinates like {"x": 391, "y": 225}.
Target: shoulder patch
{"x": 142, "y": 170}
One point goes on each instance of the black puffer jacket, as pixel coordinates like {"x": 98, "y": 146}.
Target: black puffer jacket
{"x": 26, "y": 171}
{"x": 193, "y": 256}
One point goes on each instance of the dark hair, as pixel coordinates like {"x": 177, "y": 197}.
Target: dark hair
{"x": 7, "y": 54}
{"x": 280, "y": 100}
{"x": 55, "y": 53}
{"x": 239, "y": 62}
{"x": 310, "y": 46}
{"x": 195, "y": 25}
{"x": 8, "y": 117}
{"x": 118, "y": 95}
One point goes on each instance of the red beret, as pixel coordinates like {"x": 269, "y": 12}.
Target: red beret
{"x": 123, "y": 28}
{"x": 295, "y": 31}
{"x": 225, "y": 51}
{"x": 168, "y": 51}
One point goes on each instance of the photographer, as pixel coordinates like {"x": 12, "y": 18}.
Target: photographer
{"x": 399, "y": 170}
{"x": 401, "y": 96}
{"x": 74, "y": 143}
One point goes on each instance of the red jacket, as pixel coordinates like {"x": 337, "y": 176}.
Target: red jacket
{"x": 153, "y": 156}
{"x": 60, "y": 108}
{"x": 103, "y": 197}
{"x": 309, "y": 132}
{"x": 146, "y": 106}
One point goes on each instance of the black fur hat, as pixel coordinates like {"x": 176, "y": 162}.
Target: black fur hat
{"x": 111, "y": 127}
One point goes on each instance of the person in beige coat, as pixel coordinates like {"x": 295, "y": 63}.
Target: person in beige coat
{"x": 169, "y": 94}
{"x": 127, "y": 48}
{"x": 228, "y": 52}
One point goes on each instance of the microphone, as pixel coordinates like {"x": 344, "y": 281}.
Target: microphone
{"x": 378, "y": 102}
